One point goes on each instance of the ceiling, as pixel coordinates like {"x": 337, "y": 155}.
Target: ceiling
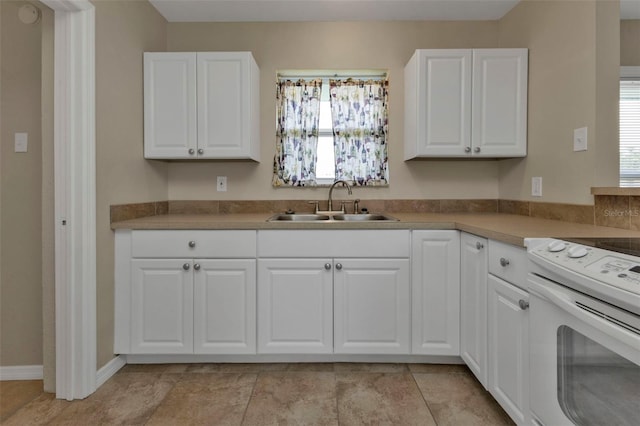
{"x": 345, "y": 10}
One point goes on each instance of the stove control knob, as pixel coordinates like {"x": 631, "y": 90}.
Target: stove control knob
{"x": 556, "y": 246}
{"x": 577, "y": 252}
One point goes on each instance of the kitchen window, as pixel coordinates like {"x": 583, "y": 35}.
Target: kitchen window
{"x": 331, "y": 126}
{"x": 630, "y": 127}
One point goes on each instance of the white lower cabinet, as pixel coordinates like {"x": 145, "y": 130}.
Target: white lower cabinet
{"x": 295, "y": 306}
{"x": 166, "y": 304}
{"x": 435, "y": 277}
{"x": 313, "y": 297}
{"x": 473, "y": 304}
{"x": 371, "y": 306}
{"x": 508, "y": 330}
{"x": 161, "y": 306}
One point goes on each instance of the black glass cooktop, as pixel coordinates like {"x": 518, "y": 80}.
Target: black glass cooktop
{"x": 629, "y": 246}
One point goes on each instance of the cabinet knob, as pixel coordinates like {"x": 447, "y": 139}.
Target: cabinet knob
{"x": 186, "y": 266}
{"x": 196, "y": 266}
{"x": 504, "y": 262}
{"x": 201, "y": 151}
{"x": 338, "y": 266}
{"x": 327, "y": 266}
{"x": 476, "y": 149}
{"x": 192, "y": 151}
{"x": 467, "y": 149}
{"x": 524, "y": 305}
{"x": 479, "y": 245}
{"x": 192, "y": 244}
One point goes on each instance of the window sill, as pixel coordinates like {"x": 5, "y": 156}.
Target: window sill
{"x": 615, "y": 190}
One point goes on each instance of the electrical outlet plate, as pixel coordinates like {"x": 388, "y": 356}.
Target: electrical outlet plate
{"x": 221, "y": 184}
{"x": 536, "y": 186}
{"x": 580, "y": 139}
{"x": 20, "y": 142}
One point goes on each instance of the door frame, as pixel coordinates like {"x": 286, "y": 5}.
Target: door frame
{"x": 75, "y": 197}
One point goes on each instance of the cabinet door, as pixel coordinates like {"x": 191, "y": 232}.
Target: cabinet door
{"x": 435, "y": 278}
{"x": 224, "y": 104}
{"x": 499, "y": 120}
{"x": 170, "y": 105}
{"x": 161, "y": 306}
{"x": 371, "y": 306}
{"x": 224, "y": 306}
{"x": 508, "y": 329}
{"x": 295, "y": 306}
{"x": 473, "y": 304}
{"x": 442, "y": 101}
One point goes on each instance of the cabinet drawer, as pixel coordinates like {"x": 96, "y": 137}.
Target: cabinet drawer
{"x": 508, "y": 262}
{"x": 193, "y": 243}
{"x": 333, "y": 243}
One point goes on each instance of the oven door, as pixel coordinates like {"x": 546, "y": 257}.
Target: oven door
{"x": 584, "y": 359}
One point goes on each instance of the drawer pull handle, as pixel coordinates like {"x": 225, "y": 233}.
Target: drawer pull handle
{"x": 504, "y": 262}
{"x": 196, "y": 266}
{"x": 186, "y": 266}
{"x": 192, "y": 244}
{"x": 192, "y": 151}
{"x": 200, "y": 151}
{"x": 524, "y": 305}
{"x": 327, "y": 266}
{"x": 339, "y": 266}
{"x": 479, "y": 245}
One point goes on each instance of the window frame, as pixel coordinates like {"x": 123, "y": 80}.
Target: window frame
{"x": 627, "y": 73}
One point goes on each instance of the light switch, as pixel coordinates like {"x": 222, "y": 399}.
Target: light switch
{"x": 536, "y": 186}
{"x": 20, "y": 141}
{"x": 580, "y": 139}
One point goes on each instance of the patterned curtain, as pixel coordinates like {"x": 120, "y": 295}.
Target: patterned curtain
{"x": 359, "y": 115}
{"x": 298, "y": 115}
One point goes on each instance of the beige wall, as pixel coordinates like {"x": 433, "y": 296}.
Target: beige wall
{"x": 630, "y": 42}
{"x": 124, "y": 29}
{"x": 338, "y": 45}
{"x": 21, "y": 183}
{"x": 569, "y": 74}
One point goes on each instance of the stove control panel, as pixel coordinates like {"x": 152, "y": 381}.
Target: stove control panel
{"x": 618, "y": 270}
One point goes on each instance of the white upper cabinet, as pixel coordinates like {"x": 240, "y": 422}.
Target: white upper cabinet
{"x": 466, "y": 103}
{"x": 202, "y": 105}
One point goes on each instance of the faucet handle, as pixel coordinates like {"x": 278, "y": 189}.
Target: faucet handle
{"x": 356, "y": 206}
{"x": 316, "y": 204}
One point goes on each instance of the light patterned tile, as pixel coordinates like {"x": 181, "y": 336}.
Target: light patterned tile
{"x": 380, "y": 399}
{"x": 458, "y": 399}
{"x": 41, "y": 411}
{"x": 345, "y": 367}
{"x": 16, "y": 393}
{"x": 293, "y": 398}
{"x": 438, "y": 368}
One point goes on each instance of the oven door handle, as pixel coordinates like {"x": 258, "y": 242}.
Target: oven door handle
{"x": 567, "y": 304}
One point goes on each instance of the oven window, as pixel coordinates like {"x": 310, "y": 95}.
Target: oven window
{"x": 595, "y": 385}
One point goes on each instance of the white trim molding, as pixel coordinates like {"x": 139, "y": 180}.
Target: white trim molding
{"x": 109, "y": 369}
{"x": 75, "y": 199}
{"x": 21, "y": 372}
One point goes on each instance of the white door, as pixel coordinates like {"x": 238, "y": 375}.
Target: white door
{"x": 161, "y": 306}
{"x": 444, "y": 102}
{"x": 295, "y": 311}
{"x": 473, "y": 304}
{"x": 435, "y": 278}
{"x": 499, "y": 120}
{"x": 508, "y": 348}
{"x": 170, "y": 105}
{"x": 371, "y": 306}
{"x": 223, "y": 104}
{"x": 224, "y": 306}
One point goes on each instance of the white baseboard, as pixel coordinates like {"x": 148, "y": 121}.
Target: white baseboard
{"x": 21, "y": 372}
{"x": 109, "y": 369}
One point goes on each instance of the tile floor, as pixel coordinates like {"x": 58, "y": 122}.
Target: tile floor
{"x": 265, "y": 394}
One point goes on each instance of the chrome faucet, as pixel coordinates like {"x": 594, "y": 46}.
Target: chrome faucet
{"x": 344, "y": 183}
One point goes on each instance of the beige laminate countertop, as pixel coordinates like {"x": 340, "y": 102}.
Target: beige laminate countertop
{"x": 512, "y": 229}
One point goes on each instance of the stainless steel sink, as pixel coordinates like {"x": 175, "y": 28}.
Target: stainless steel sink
{"x": 363, "y": 217}
{"x": 310, "y": 217}
{"x": 283, "y": 217}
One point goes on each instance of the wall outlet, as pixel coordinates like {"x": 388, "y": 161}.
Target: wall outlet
{"x": 580, "y": 139}
{"x": 536, "y": 186}
{"x": 221, "y": 185}
{"x": 20, "y": 142}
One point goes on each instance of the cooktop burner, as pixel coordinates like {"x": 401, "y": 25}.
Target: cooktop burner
{"x": 630, "y": 246}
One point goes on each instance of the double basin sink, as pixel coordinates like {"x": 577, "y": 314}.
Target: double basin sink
{"x": 310, "y": 217}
